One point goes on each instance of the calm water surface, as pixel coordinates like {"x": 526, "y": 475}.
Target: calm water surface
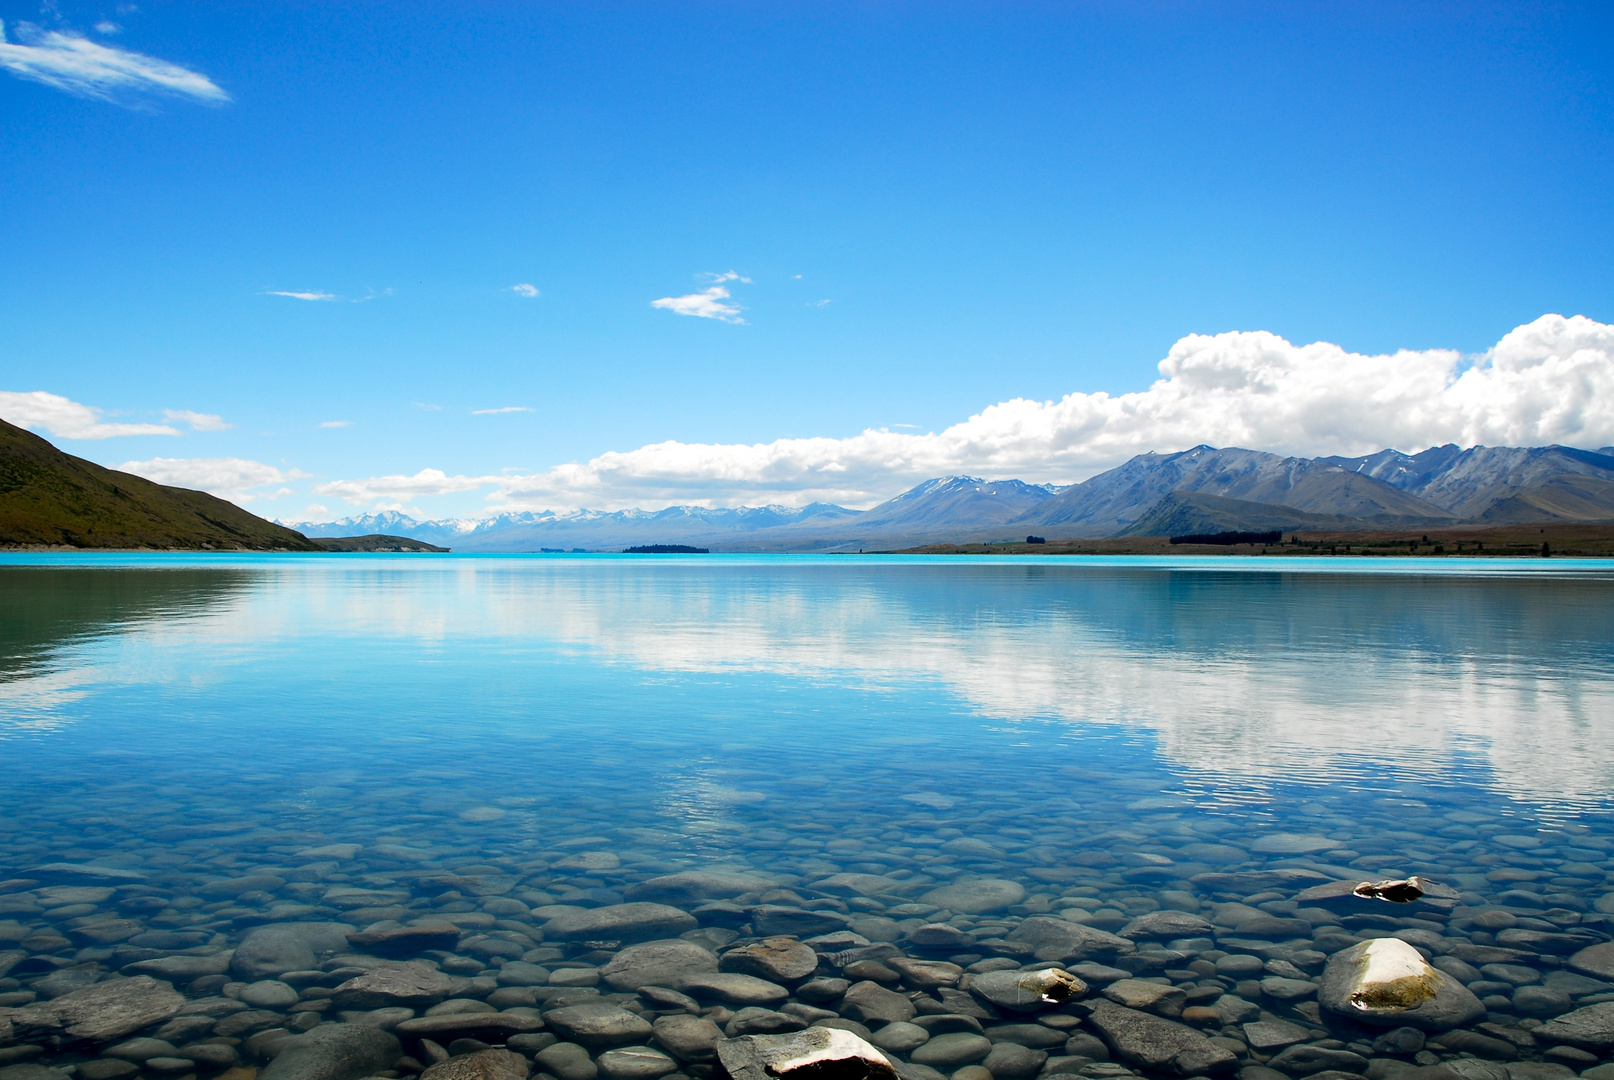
{"x": 195, "y": 749}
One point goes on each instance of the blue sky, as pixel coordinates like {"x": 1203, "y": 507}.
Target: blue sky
{"x": 916, "y": 212}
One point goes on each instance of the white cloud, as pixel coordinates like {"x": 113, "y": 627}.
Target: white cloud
{"x": 502, "y": 409}
{"x": 89, "y": 69}
{"x": 335, "y": 423}
{"x": 228, "y": 478}
{"x": 314, "y": 511}
{"x": 107, "y": 26}
{"x": 303, "y": 295}
{"x": 198, "y": 421}
{"x": 397, "y": 488}
{"x": 1548, "y": 381}
{"x": 708, "y": 303}
{"x": 67, "y": 419}
{"x": 529, "y": 291}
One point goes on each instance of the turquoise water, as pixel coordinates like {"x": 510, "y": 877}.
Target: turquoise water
{"x": 377, "y": 741}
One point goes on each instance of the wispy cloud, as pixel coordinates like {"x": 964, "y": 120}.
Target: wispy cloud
{"x": 67, "y": 419}
{"x": 231, "y": 478}
{"x": 107, "y": 26}
{"x": 198, "y": 421}
{"x": 379, "y": 488}
{"x": 90, "y": 69}
{"x": 708, "y": 303}
{"x": 502, "y": 409}
{"x": 524, "y": 289}
{"x": 303, "y": 295}
{"x": 1548, "y": 381}
{"x": 336, "y": 423}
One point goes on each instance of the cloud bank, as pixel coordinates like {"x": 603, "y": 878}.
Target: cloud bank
{"x": 64, "y": 418}
{"x": 89, "y": 69}
{"x": 397, "y": 489}
{"x": 1549, "y": 381}
{"x": 236, "y": 479}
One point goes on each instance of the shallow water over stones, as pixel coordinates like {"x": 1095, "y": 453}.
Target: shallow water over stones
{"x": 372, "y": 817}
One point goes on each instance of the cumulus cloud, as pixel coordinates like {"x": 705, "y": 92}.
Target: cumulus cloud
{"x": 708, "y": 303}
{"x": 37, "y": 410}
{"x": 396, "y": 488}
{"x": 198, "y": 421}
{"x": 501, "y": 409}
{"x": 229, "y": 478}
{"x": 1549, "y": 381}
{"x": 302, "y": 295}
{"x": 90, "y": 69}
{"x": 524, "y": 289}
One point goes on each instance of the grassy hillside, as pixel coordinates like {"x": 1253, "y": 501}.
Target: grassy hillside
{"x": 51, "y": 498}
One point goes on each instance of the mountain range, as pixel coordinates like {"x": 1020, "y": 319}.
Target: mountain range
{"x": 1201, "y": 490}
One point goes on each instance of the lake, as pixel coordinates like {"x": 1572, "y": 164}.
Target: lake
{"x": 417, "y": 807}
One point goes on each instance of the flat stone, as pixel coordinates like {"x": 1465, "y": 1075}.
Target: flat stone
{"x": 778, "y": 920}
{"x": 1590, "y": 1028}
{"x": 1027, "y": 991}
{"x": 1166, "y": 926}
{"x": 940, "y": 936}
{"x": 952, "y": 1050}
{"x": 868, "y": 1002}
{"x": 106, "y": 1069}
{"x": 825, "y": 1053}
{"x": 732, "y": 988}
{"x": 1385, "y": 982}
{"x": 688, "y": 1038}
{"x": 268, "y": 994}
{"x": 900, "y": 1037}
{"x": 693, "y": 886}
{"x": 62, "y": 873}
{"x": 1307, "y": 1060}
{"x": 858, "y": 885}
{"x": 100, "y": 1013}
{"x": 1540, "y": 1002}
{"x": 635, "y": 1063}
{"x": 1156, "y": 1043}
{"x": 925, "y": 974}
{"x": 141, "y": 1049}
{"x": 1595, "y": 960}
{"x": 637, "y": 921}
{"x": 1269, "y": 1035}
{"x": 447, "y": 1027}
{"x": 181, "y": 967}
{"x": 1011, "y": 1061}
{"x": 657, "y": 963}
{"x": 1544, "y": 941}
{"x": 776, "y": 959}
{"x": 758, "y": 1021}
{"x": 1059, "y": 939}
{"x": 1282, "y": 989}
{"x": 568, "y": 1061}
{"x": 393, "y": 983}
{"x": 599, "y": 1025}
{"x": 334, "y": 1052}
{"x": 402, "y": 942}
{"x": 1163, "y": 999}
{"x": 1036, "y": 1036}
{"x": 272, "y": 950}
{"x": 482, "y": 1065}
{"x": 976, "y": 897}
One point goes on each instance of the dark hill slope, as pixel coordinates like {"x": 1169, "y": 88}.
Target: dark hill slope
{"x": 1504, "y": 484}
{"x": 48, "y": 497}
{"x": 1185, "y": 513}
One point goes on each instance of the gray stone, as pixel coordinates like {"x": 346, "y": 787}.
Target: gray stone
{"x": 214, "y": 1055}
{"x": 871, "y": 1003}
{"x": 925, "y": 974}
{"x": 639, "y": 921}
{"x": 402, "y": 942}
{"x": 952, "y": 1050}
{"x": 1595, "y": 960}
{"x": 662, "y": 997}
{"x": 1590, "y": 1028}
{"x": 1166, "y": 925}
{"x": 1161, "y": 998}
{"x": 693, "y": 886}
{"x": 1036, "y": 1036}
{"x": 1027, "y": 991}
{"x": 483, "y": 1024}
{"x": 391, "y": 983}
{"x": 900, "y": 1037}
{"x": 758, "y": 1021}
{"x": 1282, "y": 989}
{"x": 940, "y": 936}
{"x": 1084, "y": 1045}
{"x": 1269, "y": 1035}
{"x": 688, "y": 1038}
{"x": 180, "y": 967}
{"x": 976, "y": 897}
{"x": 944, "y": 1023}
{"x": 482, "y": 1065}
{"x": 31, "y": 1071}
{"x": 1010, "y": 1061}
{"x": 773, "y": 920}
{"x": 1538, "y": 1070}
{"x": 1403, "y": 1040}
{"x": 828, "y": 1053}
{"x": 1540, "y": 1001}
{"x": 732, "y": 988}
{"x": 1235, "y": 1010}
{"x": 776, "y": 959}
{"x": 567, "y": 1061}
{"x": 633, "y": 1063}
{"x": 1156, "y": 1043}
{"x": 657, "y": 963}
{"x": 334, "y": 1052}
{"x": 141, "y": 1049}
{"x": 599, "y": 1025}
{"x": 100, "y": 1013}
{"x": 1442, "y": 1002}
{"x": 107, "y": 1069}
{"x": 521, "y": 973}
{"x": 1059, "y": 939}
{"x": 274, "y": 949}
{"x": 268, "y": 994}
{"x": 1306, "y": 1060}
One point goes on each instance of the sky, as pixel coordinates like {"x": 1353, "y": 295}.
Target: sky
{"x": 329, "y": 258}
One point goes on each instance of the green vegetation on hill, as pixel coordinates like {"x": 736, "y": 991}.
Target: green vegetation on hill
{"x": 49, "y": 498}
